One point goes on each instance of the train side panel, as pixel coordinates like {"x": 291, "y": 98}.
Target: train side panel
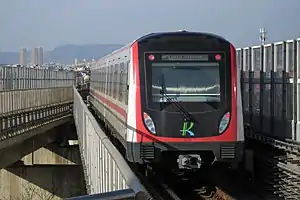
{"x": 108, "y": 92}
{"x": 239, "y": 107}
{"x": 240, "y": 122}
{"x": 132, "y": 94}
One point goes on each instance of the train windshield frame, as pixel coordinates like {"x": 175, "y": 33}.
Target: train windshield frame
{"x": 197, "y": 81}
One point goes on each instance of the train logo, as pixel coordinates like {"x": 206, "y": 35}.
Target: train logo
{"x": 187, "y": 129}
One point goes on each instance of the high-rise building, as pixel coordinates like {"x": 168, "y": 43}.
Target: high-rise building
{"x": 23, "y": 55}
{"x": 40, "y": 56}
{"x": 34, "y": 56}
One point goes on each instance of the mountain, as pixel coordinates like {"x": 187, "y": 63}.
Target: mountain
{"x": 9, "y": 58}
{"x": 65, "y": 53}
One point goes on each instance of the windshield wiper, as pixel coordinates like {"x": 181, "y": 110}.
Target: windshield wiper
{"x": 186, "y": 115}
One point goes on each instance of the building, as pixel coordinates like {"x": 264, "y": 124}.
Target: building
{"x": 40, "y": 56}
{"x": 34, "y": 56}
{"x": 23, "y": 54}
{"x": 37, "y": 56}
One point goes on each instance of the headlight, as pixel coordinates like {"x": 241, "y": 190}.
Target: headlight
{"x": 224, "y": 122}
{"x": 149, "y": 123}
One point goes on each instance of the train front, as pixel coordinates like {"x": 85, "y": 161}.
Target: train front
{"x": 188, "y": 99}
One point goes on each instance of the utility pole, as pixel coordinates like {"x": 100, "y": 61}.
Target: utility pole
{"x": 262, "y": 36}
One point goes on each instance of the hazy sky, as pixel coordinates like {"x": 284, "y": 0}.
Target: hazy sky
{"x": 55, "y": 22}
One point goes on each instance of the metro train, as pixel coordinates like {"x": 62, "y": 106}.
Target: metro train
{"x": 172, "y": 99}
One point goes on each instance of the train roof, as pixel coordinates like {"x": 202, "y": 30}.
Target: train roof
{"x": 178, "y": 33}
{"x": 171, "y": 33}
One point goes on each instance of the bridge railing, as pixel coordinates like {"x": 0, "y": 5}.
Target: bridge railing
{"x": 126, "y": 194}
{"x": 105, "y": 168}
{"x": 30, "y": 97}
{"x": 270, "y": 80}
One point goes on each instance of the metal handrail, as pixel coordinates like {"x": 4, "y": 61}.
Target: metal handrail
{"x": 126, "y": 194}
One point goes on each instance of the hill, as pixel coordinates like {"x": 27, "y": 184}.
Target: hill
{"x": 65, "y": 53}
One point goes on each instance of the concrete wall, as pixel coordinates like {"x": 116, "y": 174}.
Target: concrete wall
{"x": 13, "y": 149}
{"x": 54, "y": 155}
{"x": 50, "y": 172}
{"x": 41, "y": 182}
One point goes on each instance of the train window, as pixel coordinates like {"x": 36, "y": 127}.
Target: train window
{"x": 121, "y": 74}
{"x": 98, "y": 84}
{"x": 115, "y": 81}
{"x": 96, "y": 80}
{"x": 201, "y": 82}
{"x": 108, "y": 80}
{"x": 118, "y": 82}
{"x": 111, "y": 81}
{"x": 100, "y": 79}
{"x": 93, "y": 78}
{"x": 103, "y": 79}
{"x": 126, "y": 83}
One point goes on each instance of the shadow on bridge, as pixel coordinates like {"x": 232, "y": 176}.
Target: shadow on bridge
{"x": 15, "y": 152}
{"x": 43, "y": 182}
{"x": 50, "y": 169}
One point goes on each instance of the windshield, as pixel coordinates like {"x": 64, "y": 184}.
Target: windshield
{"x": 186, "y": 81}
{"x": 173, "y": 101}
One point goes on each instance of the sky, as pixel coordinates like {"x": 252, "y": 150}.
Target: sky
{"x": 51, "y": 23}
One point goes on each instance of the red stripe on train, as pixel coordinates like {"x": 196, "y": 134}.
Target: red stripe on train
{"x": 141, "y": 129}
{"x": 109, "y": 103}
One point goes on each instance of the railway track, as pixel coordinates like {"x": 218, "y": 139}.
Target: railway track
{"x": 278, "y": 177}
{"x": 277, "y": 171}
{"x": 218, "y": 187}
{"x": 218, "y": 194}
{"x": 176, "y": 189}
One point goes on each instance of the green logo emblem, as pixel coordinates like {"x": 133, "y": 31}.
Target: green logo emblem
{"x": 187, "y": 126}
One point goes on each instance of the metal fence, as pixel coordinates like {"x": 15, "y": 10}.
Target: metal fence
{"x": 270, "y": 88}
{"x": 105, "y": 168}
{"x": 29, "y": 97}
{"x": 26, "y": 88}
